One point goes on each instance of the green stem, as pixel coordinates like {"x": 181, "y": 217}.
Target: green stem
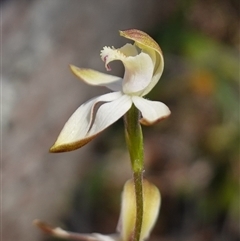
{"x": 139, "y": 205}
{"x": 134, "y": 139}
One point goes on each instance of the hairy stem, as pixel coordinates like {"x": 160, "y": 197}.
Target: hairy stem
{"x": 139, "y": 205}
{"x": 134, "y": 139}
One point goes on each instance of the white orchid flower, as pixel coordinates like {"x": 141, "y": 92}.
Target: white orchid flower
{"x": 151, "y": 198}
{"x": 143, "y": 64}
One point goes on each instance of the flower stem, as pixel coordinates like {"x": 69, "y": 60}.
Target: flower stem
{"x": 139, "y": 205}
{"x": 134, "y": 139}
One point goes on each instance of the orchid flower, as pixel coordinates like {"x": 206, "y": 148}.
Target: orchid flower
{"x": 143, "y": 62}
{"x": 126, "y": 223}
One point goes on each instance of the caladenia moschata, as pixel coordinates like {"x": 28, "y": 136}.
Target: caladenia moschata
{"x": 143, "y": 62}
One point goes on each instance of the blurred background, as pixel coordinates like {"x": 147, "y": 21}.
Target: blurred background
{"x": 193, "y": 156}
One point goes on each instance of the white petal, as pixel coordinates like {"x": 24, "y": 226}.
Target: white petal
{"x": 152, "y": 111}
{"x": 138, "y": 73}
{"x": 138, "y": 67}
{"x": 75, "y": 132}
{"x": 158, "y": 61}
{"x": 150, "y": 47}
{"x": 62, "y": 234}
{"x": 109, "y": 113}
{"x": 93, "y": 77}
{"x": 101, "y": 237}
